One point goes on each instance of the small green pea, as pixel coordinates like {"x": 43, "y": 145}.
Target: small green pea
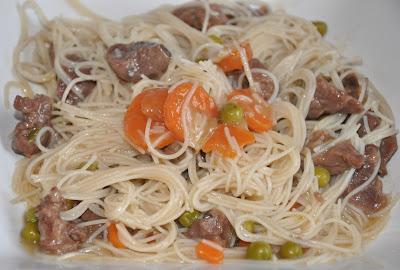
{"x": 30, "y": 215}
{"x": 299, "y": 83}
{"x": 259, "y": 250}
{"x": 323, "y": 176}
{"x": 33, "y": 134}
{"x": 231, "y": 113}
{"x": 187, "y": 218}
{"x": 248, "y": 225}
{"x": 321, "y": 26}
{"x": 216, "y": 39}
{"x": 290, "y": 250}
{"x": 70, "y": 204}
{"x": 30, "y": 233}
{"x": 93, "y": 167}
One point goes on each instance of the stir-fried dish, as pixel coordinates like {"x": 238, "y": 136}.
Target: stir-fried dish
{"x": 215, "y": 130}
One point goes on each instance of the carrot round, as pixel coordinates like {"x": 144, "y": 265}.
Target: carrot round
{"x": 135, "y": 120}
{"x": 233, "y": 61}
{"x": 218, "y": 142}
{"x": 210, "y": 252}
{"x": 257, "y": 114}
{"x": 200, "y": 102}
{"x": 113, "y": 236}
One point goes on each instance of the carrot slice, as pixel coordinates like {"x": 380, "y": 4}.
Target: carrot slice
{"x": 217, "y": 141}
{"x": 233, "y": 61}
{"x": 135, "y": 123}
{"x": 257, "y": 114}
{"x": 153, "y": 103}
{"x": 210, "y": 252}
{"x": 112, "y": 236}
{"x": 200, "y": 102}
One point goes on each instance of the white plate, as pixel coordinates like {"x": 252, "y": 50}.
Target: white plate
{"x": 365, "y": 28}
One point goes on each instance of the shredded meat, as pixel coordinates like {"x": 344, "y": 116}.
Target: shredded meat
{"x": 351, "y": 85}
{"x": 373, "y": 123}
{"x": 329, "y": 100}
{"x": 88, "y": 215}
{"x": 36, "y": 114}
{"x": 56, "y": 235}
{"x": 131, "y": 61}
{"x": 339, "y": 158}
{"x": 213, "y": 226}
{"x": 195, "y": 15}
{"x": 387, "y": 148}
{"x": 317, "y": 138}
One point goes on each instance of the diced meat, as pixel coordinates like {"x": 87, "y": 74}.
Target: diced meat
{"x": 213, "y": 226}
{"x": 339, "y": 158}
{"x": 259, "y": 10}
{"x": 195, "y": 15}
{"x": 371, "y": 199}
{"x": 88, "y": 215}
{"x": 130, "y": 61}
{"x": 329, "y": 100}
{"x": 256, "y": 63}
{"x": 373, "y": 122}
{"x": 36, "y": 114}
{"x": 317, "y": 138}
{"x": 351, "y": 85}
{"x": 387, "y": 148}
{"x": 56, "y": 235}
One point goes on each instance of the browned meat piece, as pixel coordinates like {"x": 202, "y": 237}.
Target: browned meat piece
{"x": 89, "y": 216}
{"x": 36, "y": 113}
{"x": 259, "y": 10}
{"x": 339, "y": 158}
{"x": 130, "y": 61}
{"x": 373, "y": 123}
{"x": 255, "y": 63}
{"x": 213, "y": 226}
{"x": 371, "y": 199}
{"x": 351, "y": 85}
{"x": 317, "y": 138}
{"x": 56, "y": 235}
{"x": 329, "y": 100}
{"x": 387, "y": 148}
{"x": 195, "y": 15}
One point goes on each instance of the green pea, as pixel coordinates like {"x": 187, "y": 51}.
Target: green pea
{"x": 248, "y": 225}
{"x": 290, "y": 250}
{"x": 299, "y": 83}
{"x": 216, "y": 39}
{"x": 259, "y": 250}
{"x": 187, "y": 218}
{"x": 70, "y": 204}
{"x": 33, "y": 134}
{"x": 30, "y": 215}
{"x": 93, "y": 167}
{"x": 30, "y": 233}
{"x": 321, "y": 26}
{"x": 323, "y": 176}
{"x": 231, "y": 113}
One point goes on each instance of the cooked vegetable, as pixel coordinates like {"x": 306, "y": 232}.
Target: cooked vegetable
{"x": 259, "y": 250}
{"x": 290, "y": 250}
{"x": 248, "y": 225}
{"x": 321, "y": 26}
{"x": 256, "y": 112}
{"x": 70, "y": 203}
{"x": 30, "y": 215}
{"x": 187, "y": 218}
{"x": 233, "y": 61}
{"x": 92, "y": 167}
{"x": 135, "y": 120}
{"x": 210, "y": 252}
{"x": 216, "y": 39}
{"x": 113, "y": 236}
{"x": 33, "y": 134}
{"x": 323, "y": 176}
{"x": 217, "y": 141}
{"x": 200, "y": 102}
{"x": 231, "y": 113}
{"x": 153, "y": 103}
{"x": 30, "y": 233}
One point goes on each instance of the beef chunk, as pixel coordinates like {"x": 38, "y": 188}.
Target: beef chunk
{"x": 36, "y": 114}
{"x": 195, "y": 15}
{"x": 371, "y": 199}
{"x": 317, "y": 138}
{"x": 88, "y": 215}
{"x": 130, "y": 61}
{"x": 329, "y": 100}
{"x": 339, "y": 158}
{"x": 56, "y": 235}
{"x": 373, "y": 123}
{"x": 387, "y": 148}
{"x": 351, "y": 85}
{"x": 213, "y": 226}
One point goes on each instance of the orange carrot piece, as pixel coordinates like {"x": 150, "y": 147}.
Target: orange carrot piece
{"x": 113, "y": 236}
{"x": 257, "y": 114}
{"x": 233, "y": 61}
{"x": 153, "y": 103}
{"x": 200, "y": 102}
{"x": 210, "y": 252}
{"x": 135, "y": 125}
{"x": 218, "y": 142}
